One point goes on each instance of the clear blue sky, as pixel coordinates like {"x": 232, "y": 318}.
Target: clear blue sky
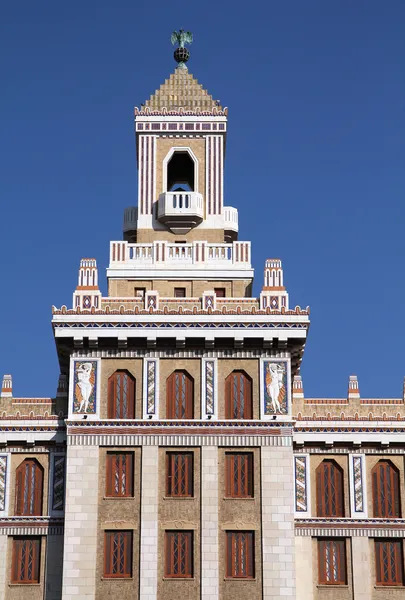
{"x": 315, "y": 162}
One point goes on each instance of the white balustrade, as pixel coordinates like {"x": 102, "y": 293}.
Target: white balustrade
{"x": 198, "y": 254}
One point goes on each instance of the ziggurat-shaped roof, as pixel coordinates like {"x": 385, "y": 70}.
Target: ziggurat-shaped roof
{"x": 182, "y": 90}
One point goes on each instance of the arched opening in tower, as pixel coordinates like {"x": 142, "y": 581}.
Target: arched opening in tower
{"x": 180, "y": 173}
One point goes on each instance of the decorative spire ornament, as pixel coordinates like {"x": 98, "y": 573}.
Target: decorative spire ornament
{"x": 181, "y": 54}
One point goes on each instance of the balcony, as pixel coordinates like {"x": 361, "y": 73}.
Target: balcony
{"x": 180, "y": 211}
{"x": 166, "y": 259}
{"x": 231, "y": 226}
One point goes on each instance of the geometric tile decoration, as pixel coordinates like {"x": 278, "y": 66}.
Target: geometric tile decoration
{"x": 358, "y": 484}
{"x": 301, "y": 499}
{"x": 84, "y": 386}
{"x": 151, "y": 386}
{"x": 58, "y": 484}
{"x": 3, "y": 480}
{"x": 209, "y": 387}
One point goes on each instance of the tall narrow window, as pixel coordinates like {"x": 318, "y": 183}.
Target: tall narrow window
{"x": 179, "y": 554}
{"x": 332, "y": 562}
{"x": 329, "y": 490}
{"x": 179, "y": 474}
{"x": 119, "y": 475}
{"x": 179, "y": 400}
{"x": 386, "y": 498}
{"x": 238, "y": 396}
{"x": 389, "y": 562}
{"x": 118, "y": 554}
{"x": 240, "y": 554}
{"x": 239, "y": 474}
{"x": 29, "y": 485}
{"x": 25, "y": 560}
{"x": 121, "y": 396}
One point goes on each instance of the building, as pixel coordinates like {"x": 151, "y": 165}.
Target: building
{"x": 180, "y": 457}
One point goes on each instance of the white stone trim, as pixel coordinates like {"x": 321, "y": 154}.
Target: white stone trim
{"x": 179, "y": 353}
{"x": 81, "y": 527}
{"x": 356, "y": 514}
{"x": 209, "y": 524}
{"x": 308, "y": 512}
{"x": 204, "y": 412}
{"x": 149, "y": 524}
{"x": 350, "y": 438}
{"x": 80, "y": 416}
{"x": 154, "y": 415}
{"x": 231, "y": 273}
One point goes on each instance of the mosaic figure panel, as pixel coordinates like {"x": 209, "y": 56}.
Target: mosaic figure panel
{"x": 275, "y": 387}
{"x": 85, "y": 386}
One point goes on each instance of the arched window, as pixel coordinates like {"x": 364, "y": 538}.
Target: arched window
{"x": 180, "y": 172}
{"x": 238, "y": 396}
{"x": 29, "y": 485}
{"x": 179, "y": 396}
{"x": 386, "y": 498}
{"x": 329, "y": 490}
{"x": 121, "y": 396}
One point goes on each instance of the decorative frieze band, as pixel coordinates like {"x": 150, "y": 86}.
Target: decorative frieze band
{"x": 378, "y": 449}
{"x": 179, "y": 353}
{"x": 31, "y": 526}
{"x": 179, "y": 440}
{"x": 32, "y": 530}
{"x": 350, "y": 527}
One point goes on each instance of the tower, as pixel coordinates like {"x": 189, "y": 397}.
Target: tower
{"x": 180, "y": 382}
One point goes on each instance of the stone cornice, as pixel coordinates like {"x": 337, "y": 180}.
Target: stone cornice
{"x": 318, "y": 527}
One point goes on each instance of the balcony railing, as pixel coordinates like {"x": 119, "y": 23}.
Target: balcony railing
{"x": 180, "y": 209}
{"x": 196, "y": 255}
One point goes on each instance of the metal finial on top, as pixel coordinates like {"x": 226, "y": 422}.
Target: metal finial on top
{"x": 181, "y": 54}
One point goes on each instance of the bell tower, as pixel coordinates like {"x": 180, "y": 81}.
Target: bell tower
{"x": 180, "y": 140}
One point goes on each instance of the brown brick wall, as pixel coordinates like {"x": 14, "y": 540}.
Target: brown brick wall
{"x": 134, "y": 367}
{"x": 239, "y": 514}
{"x": 23, "y": 591}
{"x": 179, "y": 514}
{"x": 116, "y": 514}
{"x": 343, "y": 462}
{"x": 16, "y": 460}
{"x": 332, "y": 592}
{"x": 124, "y": 288}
